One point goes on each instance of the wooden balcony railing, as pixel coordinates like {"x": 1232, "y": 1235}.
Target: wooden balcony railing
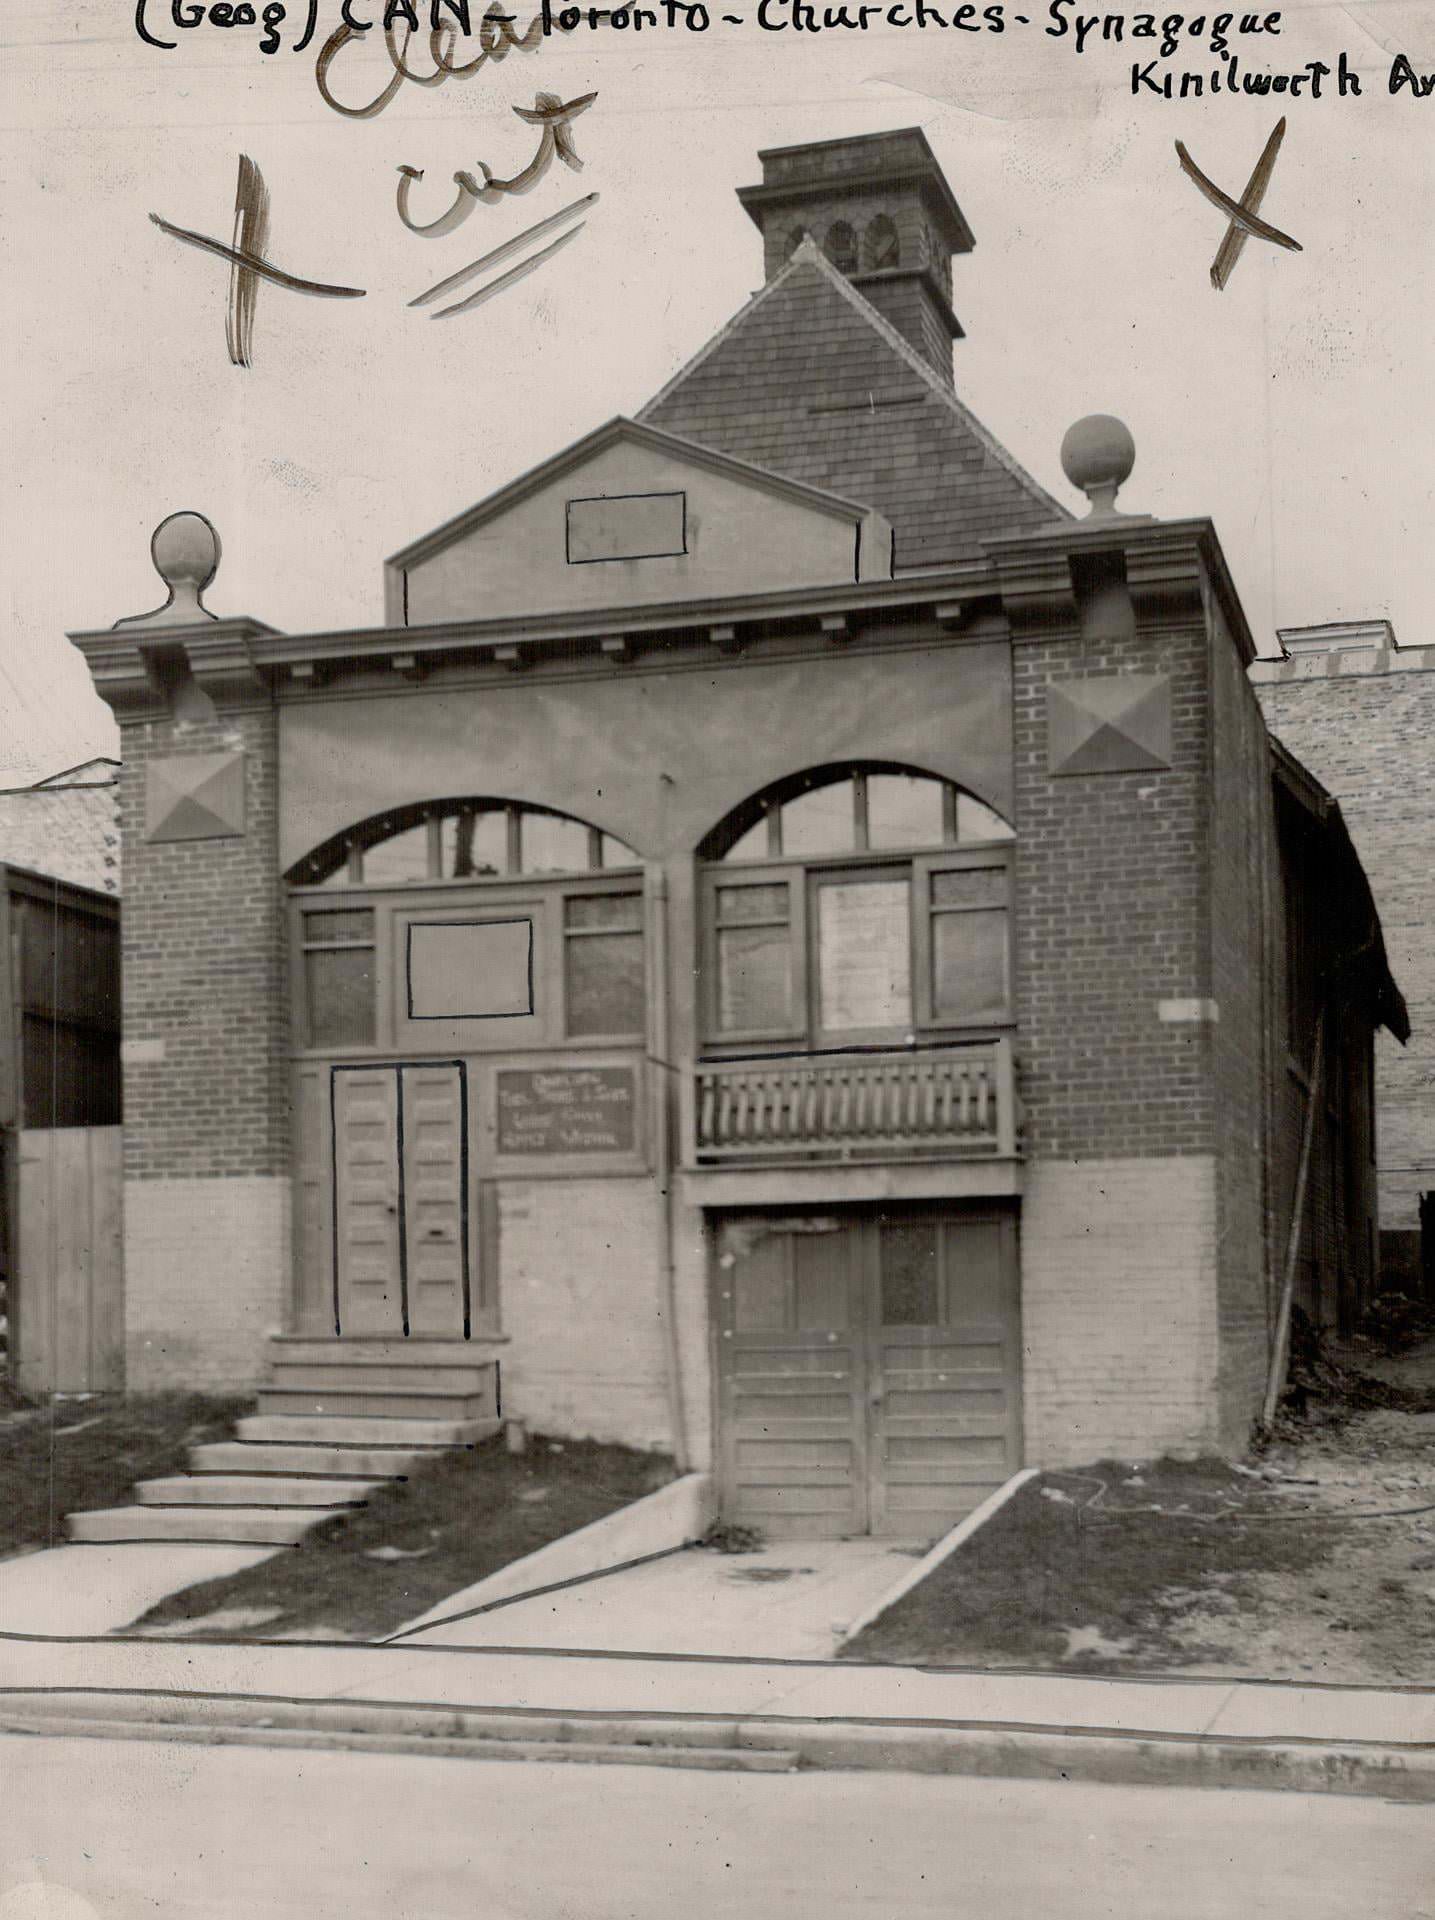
{"x": 958, "y": 1100}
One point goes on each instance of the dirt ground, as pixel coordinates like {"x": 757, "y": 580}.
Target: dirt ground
{"x": 1313, "y": 1558}
{"x": 1366, "y": 1609}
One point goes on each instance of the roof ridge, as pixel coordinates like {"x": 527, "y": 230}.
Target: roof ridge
{"x": 810, "y": 254}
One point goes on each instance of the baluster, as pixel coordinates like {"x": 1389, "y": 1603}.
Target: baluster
{"x": 945, "y": 1091}
{"x": 984, "y": 1101}
{"x": 845, "y": 1099}
{"x": 706, "y": 1110}
{"x": 743, "y": 1096}
{"x": 929, "y": 1098}
{"x": 964, "y": 1111}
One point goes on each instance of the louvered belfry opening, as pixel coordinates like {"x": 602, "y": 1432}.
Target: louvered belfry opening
{"x": 880, "y": 208}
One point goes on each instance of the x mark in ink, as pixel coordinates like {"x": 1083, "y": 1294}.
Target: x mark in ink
{"x": 1243, "y": 213}
{"x": 247, "y": 263}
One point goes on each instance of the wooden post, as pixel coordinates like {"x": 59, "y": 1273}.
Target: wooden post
{"x": 1280, "y": 1349}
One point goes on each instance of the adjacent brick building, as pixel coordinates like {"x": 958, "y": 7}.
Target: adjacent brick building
{"x": 785, "y": 938}
{"x": 1359, "y": 711}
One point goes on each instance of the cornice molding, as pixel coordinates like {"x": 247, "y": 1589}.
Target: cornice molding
{"x": 137, "y": 670}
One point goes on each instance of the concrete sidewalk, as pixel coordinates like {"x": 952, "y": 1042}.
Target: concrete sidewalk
{"x": 793, "y": 1600}
{"x": 524, "y": 1702}
{"x": 94, "y": 1589}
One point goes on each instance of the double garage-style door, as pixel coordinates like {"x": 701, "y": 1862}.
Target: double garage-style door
{"x": 869, "y": 1367}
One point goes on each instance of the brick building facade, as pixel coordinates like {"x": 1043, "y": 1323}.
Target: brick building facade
{"x": 781, "y": 938}
{"x": 1359, "y": 710}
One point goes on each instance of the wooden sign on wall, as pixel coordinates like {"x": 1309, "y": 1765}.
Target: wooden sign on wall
{"x": 562, "y": 1110}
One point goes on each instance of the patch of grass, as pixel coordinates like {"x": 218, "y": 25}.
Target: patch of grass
{"x": 1084, "y": 1551}
{"x": 455, "y": 1520}
{"x": 72, "y": 1453}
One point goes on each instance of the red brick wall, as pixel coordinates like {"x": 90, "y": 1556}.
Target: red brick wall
{"x": 1109, "y": 915}
{"x": 204, "y": 971}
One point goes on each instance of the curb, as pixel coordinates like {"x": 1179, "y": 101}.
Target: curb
{"x": 1404, "y": 1772}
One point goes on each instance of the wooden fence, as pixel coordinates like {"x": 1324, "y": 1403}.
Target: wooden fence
{"x": 66, "y": 1281}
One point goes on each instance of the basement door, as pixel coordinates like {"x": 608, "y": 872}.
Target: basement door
{"x": 869, "y": 1368}
{"x": 400, "y": 1187}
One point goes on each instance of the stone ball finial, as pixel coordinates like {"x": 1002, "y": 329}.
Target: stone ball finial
{"x": 186, "y": 553}
{"x": 1097, "y": 455}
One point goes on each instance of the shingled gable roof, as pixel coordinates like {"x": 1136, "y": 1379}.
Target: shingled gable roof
{"x": 808, "y": 379}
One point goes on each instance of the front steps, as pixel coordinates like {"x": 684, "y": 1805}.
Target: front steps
{"x": 337, "y": 1419}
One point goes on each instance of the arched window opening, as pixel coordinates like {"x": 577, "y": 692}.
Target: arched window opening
{"x": 474, "y": 922}
{"x": 795, "y": 240}
{"x": 856, "y": 906}
{"x": 841, "y": 246}
{"x": 854, "y": 809}
{"x": 461, "y": 839}
{"x": 881, "y": 245}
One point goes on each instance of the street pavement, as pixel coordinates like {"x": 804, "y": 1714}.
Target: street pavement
{"x": 115, "y": 1830}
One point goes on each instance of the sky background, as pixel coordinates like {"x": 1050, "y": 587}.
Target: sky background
{"x": 1296, "y": 409}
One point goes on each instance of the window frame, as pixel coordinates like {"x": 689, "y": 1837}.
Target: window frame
{"x": 398, "y": 906}
{"x": 994, "y": 856}
{"x": 631, "y": 883}
{"x": 779, "y": 872}
{"x": 802, "y": 876}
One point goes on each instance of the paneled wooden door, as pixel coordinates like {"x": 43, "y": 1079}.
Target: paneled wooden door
{"x": 869, "y": 1368}
{"x": 402, "y": 1232}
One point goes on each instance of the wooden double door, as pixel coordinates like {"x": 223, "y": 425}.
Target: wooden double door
{"x": 402, "y": 1232}
{"x": 869, "y": 1368}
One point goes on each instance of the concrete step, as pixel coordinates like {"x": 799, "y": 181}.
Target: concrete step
{"x": 296, "y": 1349}
{"x": 363, "y": 1463}
{"x": 251, "y": 1490}
{"x": 235, "y": 1526}
{"x": 350, "y": 1429}
{"x": 386, "y": 1377}
{"x": 367, "y": 1403}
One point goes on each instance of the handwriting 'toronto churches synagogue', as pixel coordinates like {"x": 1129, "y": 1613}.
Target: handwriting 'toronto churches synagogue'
{"x": 785, "y": 945}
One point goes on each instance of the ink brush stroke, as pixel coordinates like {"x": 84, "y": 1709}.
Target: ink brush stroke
{"x": 238, "y": 256}
{"x": 492, "y": 258}
{"x": 1243, "y": 218}
{"x": 508, "y": 279}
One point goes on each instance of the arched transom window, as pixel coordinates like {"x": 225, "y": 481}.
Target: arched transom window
{"x": 464, "y": 839}
{"x": 478, "y": 923}
{"x": 862, "y": 905}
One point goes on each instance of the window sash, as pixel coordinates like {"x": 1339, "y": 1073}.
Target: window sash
{"x": 926, "y": 911}
{"x": 632, "y": 928}
{"x": 792, "y": 880}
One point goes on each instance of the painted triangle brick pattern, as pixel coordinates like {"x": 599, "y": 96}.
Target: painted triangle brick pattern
{"x": 1117, "y": 723}
{"x": 195, "y": 796}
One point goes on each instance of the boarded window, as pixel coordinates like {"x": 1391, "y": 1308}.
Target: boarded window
{"x": 627, "y": 526}
{"x": 470, "y": 969}
{"x": 864, "y": 955}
